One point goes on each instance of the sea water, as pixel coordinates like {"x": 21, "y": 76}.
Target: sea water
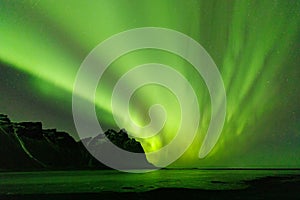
{"x": 47, "y": 182}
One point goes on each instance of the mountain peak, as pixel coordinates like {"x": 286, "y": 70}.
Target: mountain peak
{"x": 27, "y": 146}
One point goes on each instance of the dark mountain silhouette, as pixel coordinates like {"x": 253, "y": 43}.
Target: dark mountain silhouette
{"x": 27, "y": 146}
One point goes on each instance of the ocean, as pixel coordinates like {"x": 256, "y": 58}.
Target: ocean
{"x": 72, "y": 182}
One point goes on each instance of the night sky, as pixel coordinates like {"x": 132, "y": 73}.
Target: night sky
{"x": 255, "y": 44}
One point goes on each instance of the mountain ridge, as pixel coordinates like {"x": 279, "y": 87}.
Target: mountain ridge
{"x": 26, "y": 146}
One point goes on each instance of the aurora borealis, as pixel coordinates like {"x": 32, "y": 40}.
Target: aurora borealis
{"x": 255, "y": 45}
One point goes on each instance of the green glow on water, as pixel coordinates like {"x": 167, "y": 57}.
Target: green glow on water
{"x": 68, "y": 182}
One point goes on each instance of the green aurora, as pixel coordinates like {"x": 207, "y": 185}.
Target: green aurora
{"x": 255, "y": 44}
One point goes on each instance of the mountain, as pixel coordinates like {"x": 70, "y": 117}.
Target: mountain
{"x": 26, "y": 146}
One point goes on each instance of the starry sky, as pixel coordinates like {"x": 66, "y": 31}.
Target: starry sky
{"x": 255, "y": 44}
